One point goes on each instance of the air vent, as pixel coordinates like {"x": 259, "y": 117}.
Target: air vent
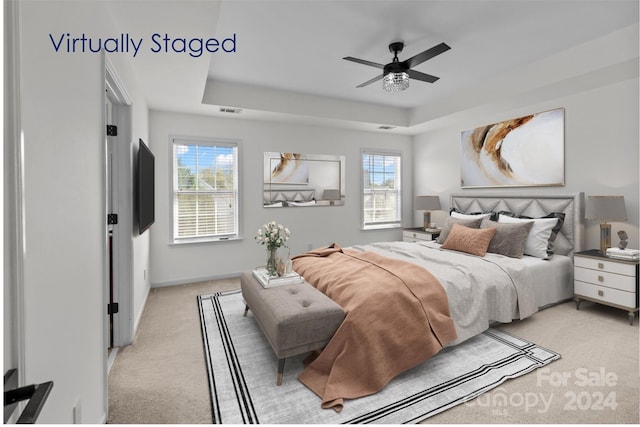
{"x": 386, "y": 127}
{"x": 230, "y": 110}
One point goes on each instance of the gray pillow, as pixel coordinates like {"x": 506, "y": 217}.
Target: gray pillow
{"x": 510, "y": 238}
{"x": 471, "y": 223}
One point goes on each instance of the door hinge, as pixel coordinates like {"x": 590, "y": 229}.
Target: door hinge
{"x": 112, "y": 219}
{"x": 112, "y": 130}
{"x": 112, "y": 308}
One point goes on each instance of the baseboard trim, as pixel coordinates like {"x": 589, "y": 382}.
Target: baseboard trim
{"x": 136, "y": 323}
{"x": 190, "y": 280}
{"x": 113, "y": 352}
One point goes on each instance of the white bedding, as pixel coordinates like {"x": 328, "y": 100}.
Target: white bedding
{"x": 553, "y": 279}
{"x": 484, "y": 290}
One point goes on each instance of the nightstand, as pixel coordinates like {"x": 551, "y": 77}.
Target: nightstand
{"x": 605, "y": 280}
{"x": 418, "y": 235}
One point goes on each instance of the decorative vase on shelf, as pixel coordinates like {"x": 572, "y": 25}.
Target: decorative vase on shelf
{"x": 288, "y": 264}
{"x": 280, "y": 270}
{"x": 272, "y": 261}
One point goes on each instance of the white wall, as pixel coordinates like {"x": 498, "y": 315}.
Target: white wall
{"x": 64, "y": 211}
{"x": 601, "y": 150}
{"x": 141, "y": 252}
{"x": 11, "y": 188}
{"x": 64, "y": 204}
{"x": 310, "y": 226}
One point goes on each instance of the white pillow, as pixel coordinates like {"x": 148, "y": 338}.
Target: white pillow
{"x": 309, "y": 203}
{"x": 459, "y": 215}
{"x": 273, "y": 205}
{"x": 538, "y": 238}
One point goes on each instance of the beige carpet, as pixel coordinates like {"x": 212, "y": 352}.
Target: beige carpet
{"x": 162, "y": 377}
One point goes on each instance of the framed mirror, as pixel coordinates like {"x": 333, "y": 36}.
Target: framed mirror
{"x": 297, "y": 180}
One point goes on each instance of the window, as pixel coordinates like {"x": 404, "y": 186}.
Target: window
{"x": 205, "y": 190}
{"x": 381, "y": 190}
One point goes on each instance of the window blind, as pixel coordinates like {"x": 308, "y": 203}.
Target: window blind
{"x": 205, "y": 190}
{"x": 381, "y": 197}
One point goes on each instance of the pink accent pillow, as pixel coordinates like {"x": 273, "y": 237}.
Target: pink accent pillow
{"x": 470, "y": 240}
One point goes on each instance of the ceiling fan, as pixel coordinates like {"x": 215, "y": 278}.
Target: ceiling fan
{"x": 395, "y": 75}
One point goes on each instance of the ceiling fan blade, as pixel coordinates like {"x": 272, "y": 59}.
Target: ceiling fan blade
{"x": 373, "y": 80}
{"x": 364, "y": 62}
{"x": 417, "y": 75}
{"x": 427, "y": 54}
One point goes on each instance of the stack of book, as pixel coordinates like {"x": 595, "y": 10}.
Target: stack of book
{"x": 272, "y": 281}
{"x": 626, "y": 254}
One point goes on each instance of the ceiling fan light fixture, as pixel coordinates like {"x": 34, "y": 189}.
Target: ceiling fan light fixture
{"x": 395, "y": 82}
{"x": 395, "y": 75}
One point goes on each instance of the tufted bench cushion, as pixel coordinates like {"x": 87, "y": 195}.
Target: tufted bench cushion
{"x": 295, "y": 319}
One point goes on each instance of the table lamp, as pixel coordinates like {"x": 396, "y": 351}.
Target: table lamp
{"x": 606, "y": 208}
{"x": 427, "y": 204}
{"x": 331, "y": 195}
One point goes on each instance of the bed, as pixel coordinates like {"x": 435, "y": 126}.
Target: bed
{"x": 541, "y": 282}
{"x": 480, "y": 290}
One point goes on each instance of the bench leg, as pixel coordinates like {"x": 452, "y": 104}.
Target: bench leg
{"x": 246, "y": 310}
{"x": 280, "y": 371}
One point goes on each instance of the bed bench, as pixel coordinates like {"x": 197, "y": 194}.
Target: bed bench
{"x": 295, "y": 319}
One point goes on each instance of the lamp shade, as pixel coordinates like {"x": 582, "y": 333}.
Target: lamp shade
{"x": 606, "y": 208}
{"x": 331, "y": 195}
{"x": 427, "y": 203}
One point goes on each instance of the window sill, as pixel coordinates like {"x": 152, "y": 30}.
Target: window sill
{"x": 380, "y": 227}
{"x": 198, "y": 241}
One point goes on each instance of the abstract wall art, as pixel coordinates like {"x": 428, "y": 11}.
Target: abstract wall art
{"x": 525, "y": 151}
{"x": 286, "y": 168}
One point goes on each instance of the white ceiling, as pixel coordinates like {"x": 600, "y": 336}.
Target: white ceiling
{"x": 288, "y": 61}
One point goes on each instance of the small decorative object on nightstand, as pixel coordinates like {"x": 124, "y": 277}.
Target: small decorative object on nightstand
{"x": 605, "y": 280}
{"x": 624, "y": 254}
{"x": 427, "y": 204}
{"x": 606, "y": 208}
{"x": 419, "y": 234}
{"x": 623, "y": 239}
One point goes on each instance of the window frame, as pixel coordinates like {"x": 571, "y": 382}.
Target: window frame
{"x": 204, "y": 141}
{"x": 397, "y": 223}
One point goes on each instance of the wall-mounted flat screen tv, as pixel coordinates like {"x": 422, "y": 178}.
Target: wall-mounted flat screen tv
{"x": 146, "y": 188}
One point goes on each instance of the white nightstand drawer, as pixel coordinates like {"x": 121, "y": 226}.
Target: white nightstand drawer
{"x": 417, "y": 236}
{"x": 613, "y": 296}
{"x": 603, "y": 278}
{"x": 605, "y": 265}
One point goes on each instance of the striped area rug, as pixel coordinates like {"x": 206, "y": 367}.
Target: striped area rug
{"x": 242, "y": 375}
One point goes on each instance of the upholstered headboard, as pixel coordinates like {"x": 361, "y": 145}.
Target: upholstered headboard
{"x": 302, "y": 195}
{"x": 570, "y": 239}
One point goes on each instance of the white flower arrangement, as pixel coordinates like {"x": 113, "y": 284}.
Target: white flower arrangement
{"x": 273, "y": 235}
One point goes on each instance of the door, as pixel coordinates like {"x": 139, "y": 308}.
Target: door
{"x": 112, "y": 212}
{"x": 119, "y": 214}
